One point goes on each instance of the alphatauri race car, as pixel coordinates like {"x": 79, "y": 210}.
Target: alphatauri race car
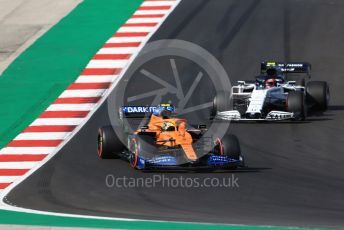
{"x": 273, "y": 95}
{"x": 165, "y": 141}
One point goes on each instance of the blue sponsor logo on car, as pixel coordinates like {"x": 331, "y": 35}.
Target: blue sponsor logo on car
{"x": 138, "y": 109}
{"x": 219, "y": 160}
{"x": 146, "y": 109}
{"x": 163, "y": 160}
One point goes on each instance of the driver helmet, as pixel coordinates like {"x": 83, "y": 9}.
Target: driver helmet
{"x": 270, "y": 83}
{"x": 271, "y": 72}
{"x": 163, "y": 110}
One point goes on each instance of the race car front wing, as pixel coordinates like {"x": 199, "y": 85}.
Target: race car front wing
{"x": 234, "y": 115}
{"x": 167, "y": 161}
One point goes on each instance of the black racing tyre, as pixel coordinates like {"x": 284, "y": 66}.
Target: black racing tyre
{"x": 221, "y": 102}
{"x": 141, "y": 145}
{"x": 317, "y": 95}
{"x": 231, "y": 146}
{"x": 109, "y": 144}
{"x": 296, "y": 104}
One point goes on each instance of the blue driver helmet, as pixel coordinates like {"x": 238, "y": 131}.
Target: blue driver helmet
{"x": 163, "y": 109}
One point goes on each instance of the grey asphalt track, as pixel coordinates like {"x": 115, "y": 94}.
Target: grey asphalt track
{"x": 296, "y": 176}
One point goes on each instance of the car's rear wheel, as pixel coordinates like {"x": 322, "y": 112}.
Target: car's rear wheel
{"x": 318, "y": 95}
{"x": 109, "y": 144}
{"x": 296, "y": 104}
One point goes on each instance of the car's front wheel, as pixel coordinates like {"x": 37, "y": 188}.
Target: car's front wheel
{"x": 141, "y": 146}
{"x": 231, "y": 146}
{"x": 221, "y": 102}
{"x": 296, "y": 104}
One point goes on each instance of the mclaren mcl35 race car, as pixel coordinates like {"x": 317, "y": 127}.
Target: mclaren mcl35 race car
{"x": 273, "y": 95}
{"x": 166, "y": 142}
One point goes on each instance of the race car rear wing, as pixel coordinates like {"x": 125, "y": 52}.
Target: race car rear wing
{"x": 141, "y": 111}
{"x": 290, "y": 67}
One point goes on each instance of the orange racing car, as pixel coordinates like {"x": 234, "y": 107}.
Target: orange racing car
{"x": 166, "y": 141}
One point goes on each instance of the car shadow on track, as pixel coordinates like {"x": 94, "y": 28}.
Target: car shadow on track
{"x": 192, "y": 171}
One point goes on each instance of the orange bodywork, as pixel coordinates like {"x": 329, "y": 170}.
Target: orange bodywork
{"x": 177, "y": 136}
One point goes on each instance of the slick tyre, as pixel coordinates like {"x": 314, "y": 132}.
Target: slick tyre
{"x": 141, "y": 146}
{"x": 296, "y": 104}
{"x": 109, "y": 144}
{"x": 231, "y": 146}
{"x": 318, "y": 95}
{"x": 221, "y": 102}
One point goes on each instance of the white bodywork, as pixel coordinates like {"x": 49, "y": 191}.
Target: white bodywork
{"x": 257, "y": 101}
{"x": 256, "y": 97}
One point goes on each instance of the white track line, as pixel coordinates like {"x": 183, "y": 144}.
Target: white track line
{"x": 27, "y": 150}
{"x": 71, "y": 107}
{"x": 82, "y": 93}
{"x": 125, "y": 39}
{"x": 57, "y": 121}
{"x": 121, "y": 50}
{"x": 18, "y": 165}
{"x": 143, "y": 20}
{"x": 42, "y": 136}
{"x": 95, "y": 78}
{"x": 135, "y": 29}
{"x": 8, "y": 179}
{"x": 158, "y": 3}
{"x": 107, "y": 64}
{"x": 145, "y": 12}
{"x": 52, "y": 151}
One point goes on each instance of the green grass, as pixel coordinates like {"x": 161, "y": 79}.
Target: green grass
{"x": 38, "y": 76}
{"x": 43, "y": 71}
{"x": 9, "y": 217}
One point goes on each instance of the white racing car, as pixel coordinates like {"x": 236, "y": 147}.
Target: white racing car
{"x": 273, "y": 95}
